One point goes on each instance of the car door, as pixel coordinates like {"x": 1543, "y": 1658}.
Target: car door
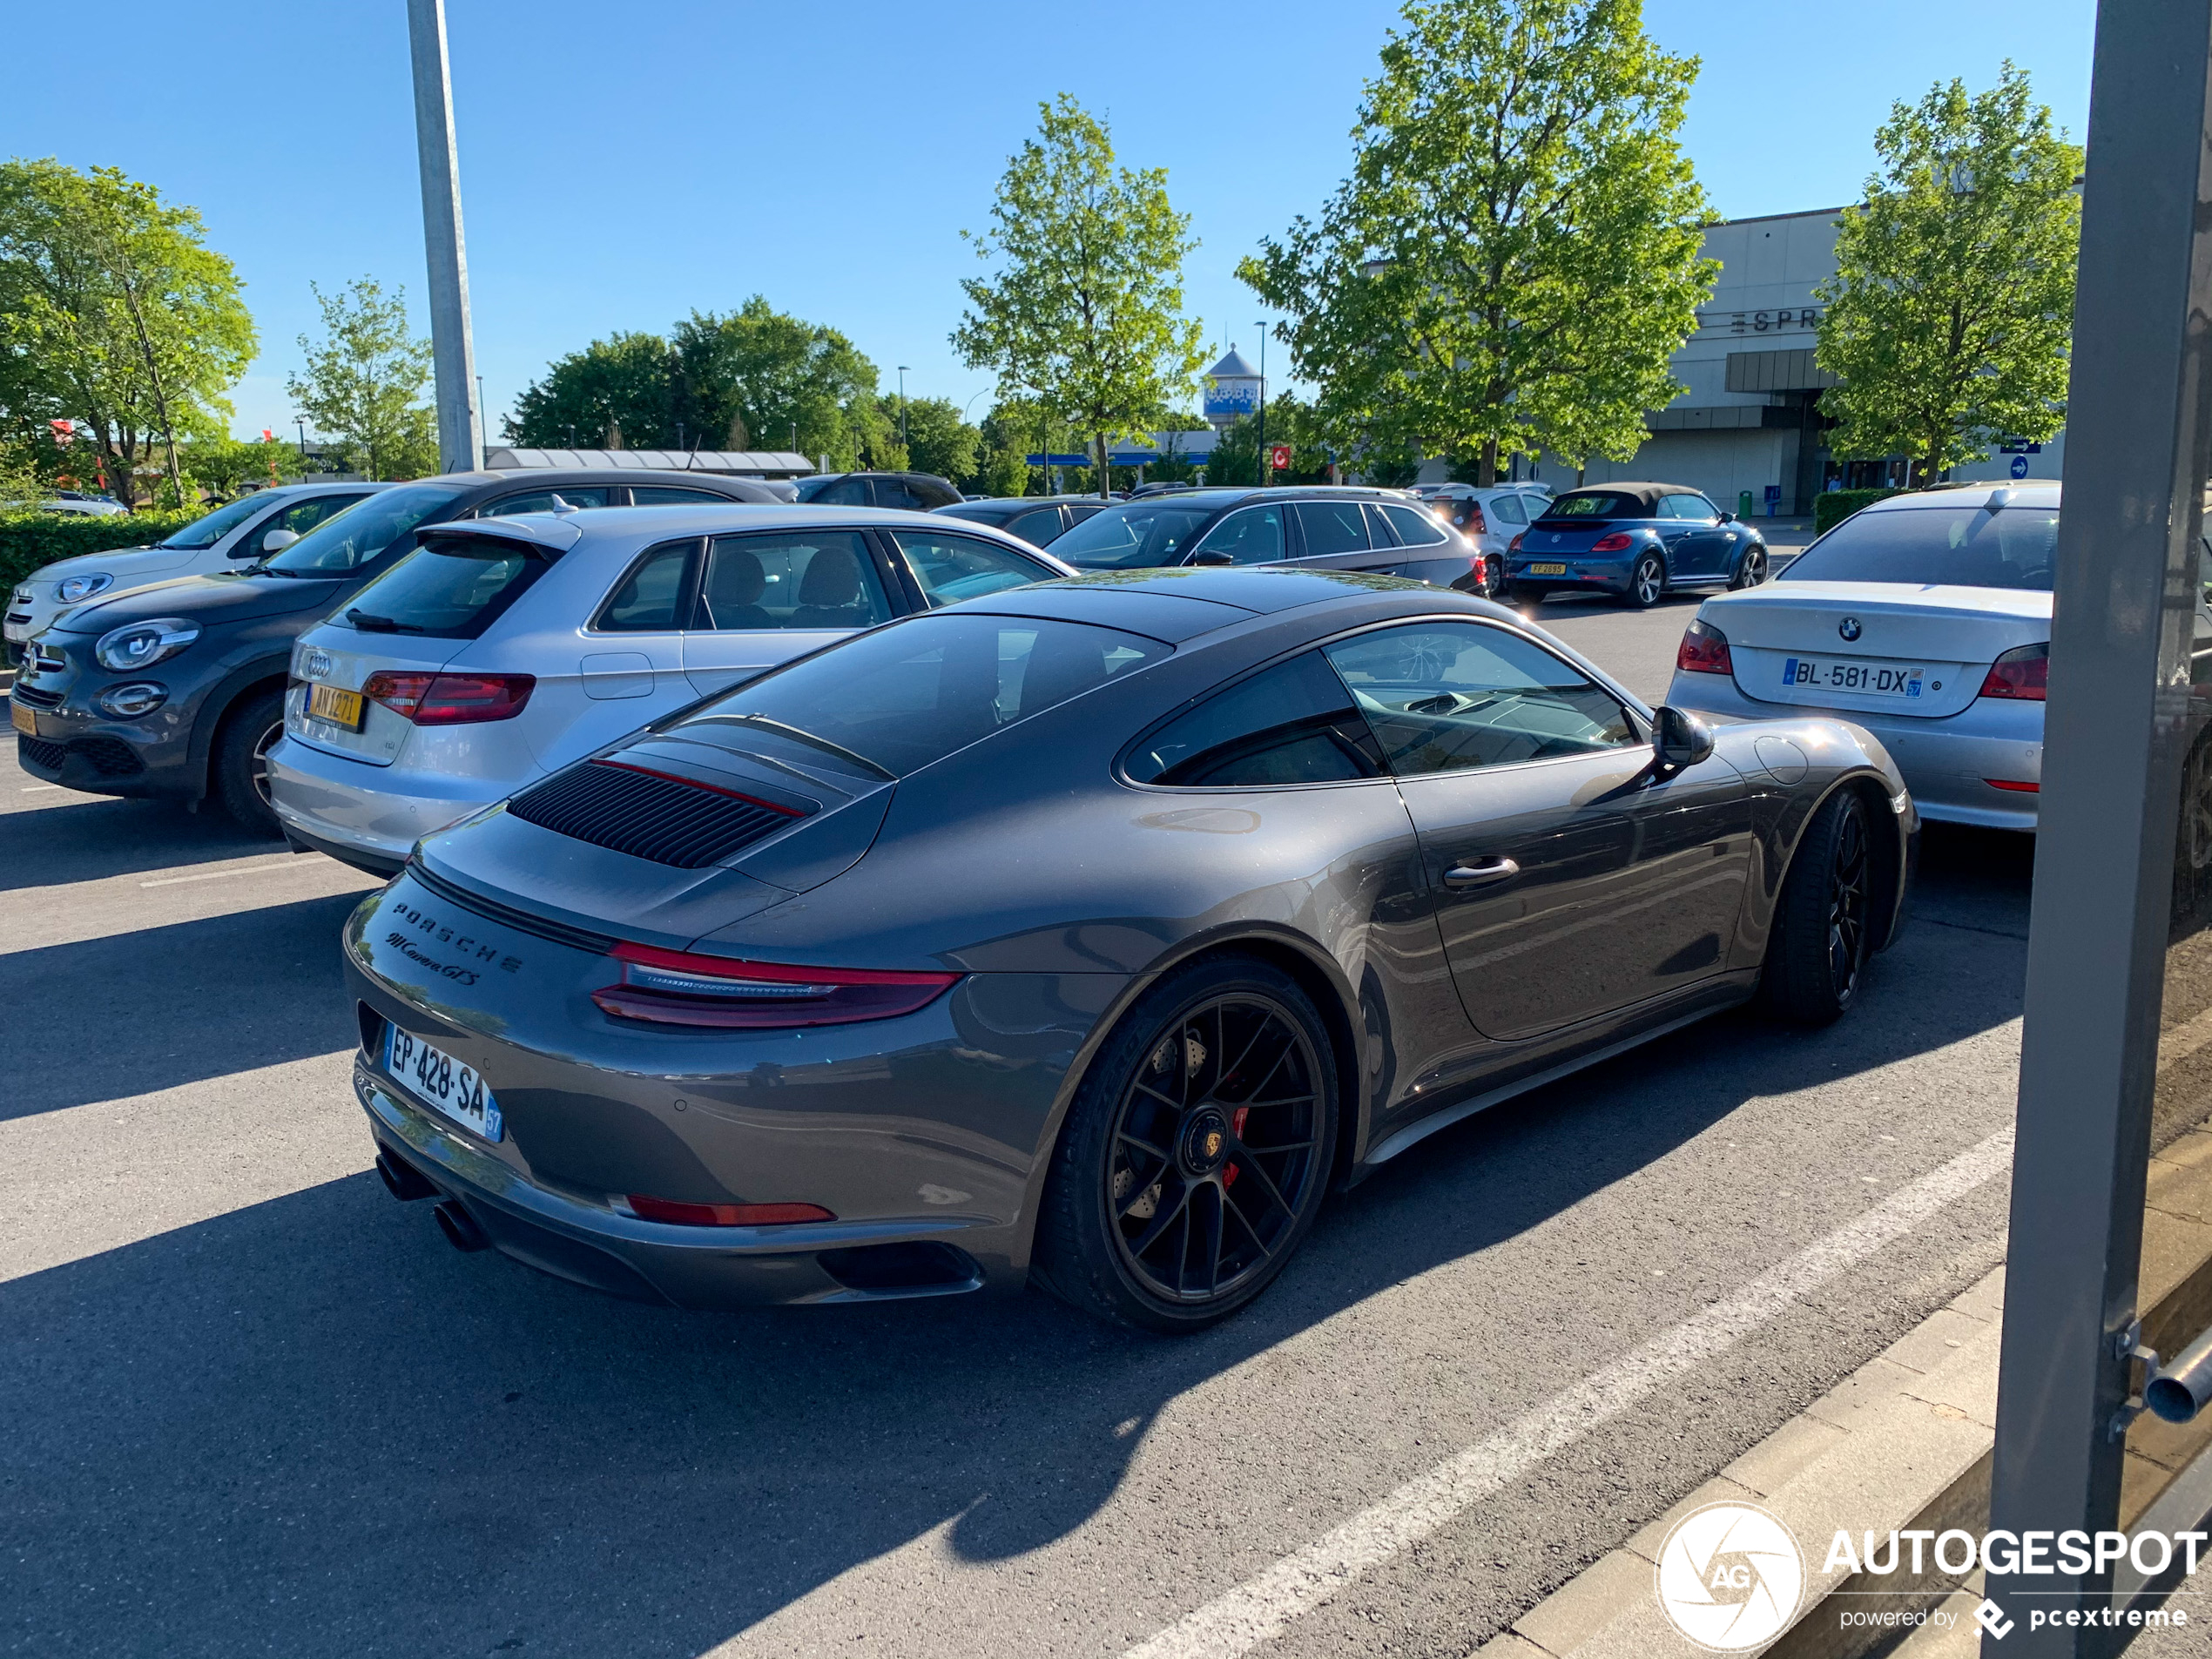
{"x": 1700, "y": 544}
{"x": 1334, "y": 535}
{"x": 1040, "y": 526}
{"x": 946, "y": 568}
{"x": 633, "y": 646}
{"x": 896, "y": 492}
{"x": 293, "y": 520}
{"x": 769, "y": 596}
{"x": 1505, "y": 517}
{"x": 1249, "y": 535}
{"x": 1426, "y": 551}
{"x": 1567, "y": 879}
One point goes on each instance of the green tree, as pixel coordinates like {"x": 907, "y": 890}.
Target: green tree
{"x": 226, "y": 464}
{"x": 1236, "y": 458}
{"x": 115, "y": 312}
{"x": 1085, "y": 316}
{"x": 1950, "y": 313}
{"x": 938, "y": 439}
{"x": 757, "y": 377}
{"x": 624, "y": 383}
{"x": 1012, "y": 432}
{"x": 1515, "y": 254}
{"x": 363, "y": 387}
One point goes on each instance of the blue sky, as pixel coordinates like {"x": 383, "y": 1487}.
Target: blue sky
{"x": 622, "y": 165}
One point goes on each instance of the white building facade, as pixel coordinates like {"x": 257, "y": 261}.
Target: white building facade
{"x": 1746, "y": 428}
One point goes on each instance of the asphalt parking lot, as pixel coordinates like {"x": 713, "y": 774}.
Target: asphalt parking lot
{"x": 254, "y": 1406}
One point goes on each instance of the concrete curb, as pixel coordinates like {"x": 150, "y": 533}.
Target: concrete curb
{"x": 1903, "y": 1442}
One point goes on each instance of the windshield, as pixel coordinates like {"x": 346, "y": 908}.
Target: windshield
{"x": 1136, "y": 536}
{"x": 905, "y": 696}
{"x": 1957, "y": 547}
{"x": 452, "y": 588}
{"x": 205, "y": 532}
{"x": 359, "y": 533}
{"x": 1593, "y": 503}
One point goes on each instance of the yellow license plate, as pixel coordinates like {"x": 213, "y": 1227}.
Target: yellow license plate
{"x": 339, "y": 708}
{"x": 1547, "y": 569}
{"x": 24, "y": 720}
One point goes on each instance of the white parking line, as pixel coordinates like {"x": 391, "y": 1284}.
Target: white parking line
{"x": 216, "y": 876}
{"x": 1262, "y": 1607}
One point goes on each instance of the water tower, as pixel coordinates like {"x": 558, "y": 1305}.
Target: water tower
{"x": 1233, "y": 390}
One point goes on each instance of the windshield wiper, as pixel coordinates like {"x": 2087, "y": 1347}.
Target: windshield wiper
{"x": 373, "y": 625}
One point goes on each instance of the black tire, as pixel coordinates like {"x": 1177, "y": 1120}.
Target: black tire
{"x": 1816, "y": 953}
{"x": 1751, "y": 569}
{"x": 239, "y": 763}
{"x": 1647, "y": 581}
{"x": 1142, "y": 1217}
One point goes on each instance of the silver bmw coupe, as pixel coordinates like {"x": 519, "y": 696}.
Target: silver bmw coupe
{"x": 1083, "y": 934}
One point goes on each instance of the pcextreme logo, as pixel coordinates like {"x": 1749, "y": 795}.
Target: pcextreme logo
{"x": 1730, "y": 1576}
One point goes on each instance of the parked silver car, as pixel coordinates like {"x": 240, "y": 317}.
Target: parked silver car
{"x": 1924, "y": 618}
{"x": 227, "y": 539}
{"x": 502, "y": 649}
{"x": 1490, "y": 516}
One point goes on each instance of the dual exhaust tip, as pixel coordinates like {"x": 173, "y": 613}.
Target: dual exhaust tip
{"x": 406, "y": 1183}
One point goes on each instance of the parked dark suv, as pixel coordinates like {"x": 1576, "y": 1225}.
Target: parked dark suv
{"x": 176, "y": 691}
{"x": 1325, "y": 527}
{"x": 1038, "y": 520}
{"x": 917, "y": 492}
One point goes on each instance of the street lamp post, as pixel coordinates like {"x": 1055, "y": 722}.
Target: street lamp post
{"x": 903, "y": 406}
{"x": 461, "y": 447}
{"x": 1266, "y": 472}
{"x": 303, "y": 448}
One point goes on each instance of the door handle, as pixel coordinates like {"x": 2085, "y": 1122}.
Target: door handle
{"x": 1483, "y": 872}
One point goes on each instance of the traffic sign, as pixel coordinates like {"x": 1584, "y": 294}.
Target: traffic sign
{"x": 1279, "y": 457}
{"x": 2020, "y": 466}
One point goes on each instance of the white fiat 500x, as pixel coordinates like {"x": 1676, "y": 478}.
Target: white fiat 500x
{"x": 1924, "y": 618}
{"x": 502, "y": 649}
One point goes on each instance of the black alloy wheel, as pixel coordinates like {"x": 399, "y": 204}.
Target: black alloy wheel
{"x": 1817, "y": 951}
{"x": 241, "y": 762}
{"x": 1647, "y": 581}
{"x": 1751, "y": 569}
{"x": 1196, "y": 1153}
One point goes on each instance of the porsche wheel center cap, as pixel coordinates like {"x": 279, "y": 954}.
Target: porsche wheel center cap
{"x": 1204, "y": 1141}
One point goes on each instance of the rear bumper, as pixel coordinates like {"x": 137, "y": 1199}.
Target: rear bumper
{"x": 1947, "y": 764}
{"x": 368, "y": 816}
{"x": 1606, "y": 574}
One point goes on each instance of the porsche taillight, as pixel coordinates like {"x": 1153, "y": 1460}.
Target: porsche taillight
{"x": 724, "y": 992}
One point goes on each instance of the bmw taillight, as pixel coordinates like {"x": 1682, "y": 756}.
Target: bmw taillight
{"x": 1703, "y": 650}
{"x": 1615, "y": 542}
{"x": 2022, "y": 674}
{"x": 688, "y": 988}
{"x": 722, "y": 1215}
{"x": 450, "y": 700}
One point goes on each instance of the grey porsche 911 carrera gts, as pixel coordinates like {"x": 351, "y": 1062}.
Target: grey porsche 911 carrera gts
{"x": 1084, "y": 934}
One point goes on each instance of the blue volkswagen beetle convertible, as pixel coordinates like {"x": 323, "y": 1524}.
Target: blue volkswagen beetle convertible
{"x": 1636, "y": 540}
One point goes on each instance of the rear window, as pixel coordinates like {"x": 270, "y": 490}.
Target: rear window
{"x": 1138, "y": 537}
{"x": 905, "y": 696}
{"x": 1594, "y": 503}
{"x": 358, "y": 534}
{"x": 453, "y": 587}
{"x": 1962, "y": 547}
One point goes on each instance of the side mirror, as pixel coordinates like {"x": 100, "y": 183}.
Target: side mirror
{"x": 277, "y": 541}
{"x": 1727, "y": 517}
{"x": 1678, "y": 740}
{"x": 1211, "y": 556}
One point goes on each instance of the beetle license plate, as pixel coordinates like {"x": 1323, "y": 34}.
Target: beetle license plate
{"x": 1868, "y": 679}
{"x": 1547, "y": 569}
{"x": 22, "y": 718}
{"x": 339, "y": 708}
{"x": 435, "y": 1078}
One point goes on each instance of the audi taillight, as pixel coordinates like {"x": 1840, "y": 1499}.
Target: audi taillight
{"x": 1616, "y": 542}
{"x": 450, "y": 700}
{"x": 687, "y": 988}
{"x": 646, "y": 1208}
{"x": 1703, "y": 650}
{"x": 2022, "y": 674}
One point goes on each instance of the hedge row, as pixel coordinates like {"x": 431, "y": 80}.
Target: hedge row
{"x": 1832, "y": 508}
{"x": 30, "y": 540}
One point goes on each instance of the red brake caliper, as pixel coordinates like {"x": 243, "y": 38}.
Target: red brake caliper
{"x": 1237, "y": 1127}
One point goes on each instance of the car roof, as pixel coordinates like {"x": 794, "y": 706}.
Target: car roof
{"x": 1644, "y": 493}
{"x": 552, "y": 477}
{"x": 1986, "y": 494}
{"x": 634, "y": 527}
{"x": 1180, "y": 604}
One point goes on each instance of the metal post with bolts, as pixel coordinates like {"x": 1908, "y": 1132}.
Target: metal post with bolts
{"x": 2117, "y": 730}
{"x": 461, "y": 444}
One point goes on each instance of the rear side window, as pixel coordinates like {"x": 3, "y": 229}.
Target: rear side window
{"x": 549, "y": 500}
{"x": 656, "y": 496}
{"x": 1414, "y": 527}
{"x": 1039, "y": 529}
{"x": 902, "y": 697}
{"x": 1331, "y": 527}
{"x": 452, "y": 587}
{"x": 842, "y": 492}
{"x": 1292, "y": 723}
{"x": 656, "y": 594}
{"x": 804, "y": 579}
{"x": 1594, "y": 503}
{"x": 1508, "y": 508}
{"x": 949, "y": 569}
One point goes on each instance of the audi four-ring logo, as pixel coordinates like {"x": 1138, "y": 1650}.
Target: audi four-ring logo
{"x": 1849, "y": 628}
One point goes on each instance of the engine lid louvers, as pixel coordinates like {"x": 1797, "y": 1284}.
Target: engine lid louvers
{"x": 659, "y": 815}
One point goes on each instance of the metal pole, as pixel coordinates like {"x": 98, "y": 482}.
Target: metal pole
{"x": 903, "y": 406}
{"x": 1266, "y": 475}
{"x": 2138, "y": 451}
{"x": 461, "y": 444}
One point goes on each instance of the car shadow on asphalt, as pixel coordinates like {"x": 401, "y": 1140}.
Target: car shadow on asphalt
{"x": 309, "y": 1426}
{"x": 172, "y": 1005}
{"x": 88, "y": 841}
